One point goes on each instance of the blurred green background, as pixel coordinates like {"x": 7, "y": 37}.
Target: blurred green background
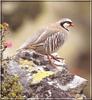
{"x": 26, "y": 18}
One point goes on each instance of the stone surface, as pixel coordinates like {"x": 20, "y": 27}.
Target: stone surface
{"x": 40, "y": 79}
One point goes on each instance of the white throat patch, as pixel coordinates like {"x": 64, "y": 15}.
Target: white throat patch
{"x": 66, "y": 25}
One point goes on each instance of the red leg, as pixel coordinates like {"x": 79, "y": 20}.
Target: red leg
{"x": 56, "y": 58}
{"x": 51, "y": 61}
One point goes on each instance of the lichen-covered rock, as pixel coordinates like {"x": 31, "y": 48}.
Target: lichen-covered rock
{"x": 11, "y": 87}
{"x": 45, "y": 90}
{"x": 30, "y": 75}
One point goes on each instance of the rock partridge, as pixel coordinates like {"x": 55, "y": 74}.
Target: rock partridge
{"x": 49, "y": 39}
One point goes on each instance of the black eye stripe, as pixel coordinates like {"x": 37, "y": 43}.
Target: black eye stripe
{"x": 62, "y": 24}
{"x": 67, "y": 22}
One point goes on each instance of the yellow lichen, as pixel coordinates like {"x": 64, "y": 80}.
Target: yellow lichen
{"x": 25, "y": 63}
{"x": 40, "y": 75}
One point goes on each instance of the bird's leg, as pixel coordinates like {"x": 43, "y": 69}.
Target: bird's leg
{"x": 56, "y": 58}
{"x": 51, "y": 61}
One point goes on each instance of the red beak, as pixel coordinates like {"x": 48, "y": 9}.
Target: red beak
{"x": 72, "y": 24}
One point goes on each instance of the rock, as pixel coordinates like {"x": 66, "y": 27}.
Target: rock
{"x": 40, "y": 79}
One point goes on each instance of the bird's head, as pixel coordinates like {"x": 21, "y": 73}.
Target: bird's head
{"x": 65, "y": 23}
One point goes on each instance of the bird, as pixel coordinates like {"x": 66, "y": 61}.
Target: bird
{"x": 49, "y": 39}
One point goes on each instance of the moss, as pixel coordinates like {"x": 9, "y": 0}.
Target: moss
{"x": 11, "y": 87}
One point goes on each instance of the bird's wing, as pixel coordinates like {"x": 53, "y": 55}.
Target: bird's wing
{"x": 39, "y": 37}
{"x": 47, "y": 33}
{"x": 33, "y": 38}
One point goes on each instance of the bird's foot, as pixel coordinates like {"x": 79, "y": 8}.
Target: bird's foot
{"x": 57, "y": 58}
{"x": 50, "y": 61}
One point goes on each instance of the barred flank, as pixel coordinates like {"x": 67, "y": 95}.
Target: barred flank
{"x": 53, "y": 42}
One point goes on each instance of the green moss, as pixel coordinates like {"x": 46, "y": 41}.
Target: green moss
{"x": 11, "y": 87}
